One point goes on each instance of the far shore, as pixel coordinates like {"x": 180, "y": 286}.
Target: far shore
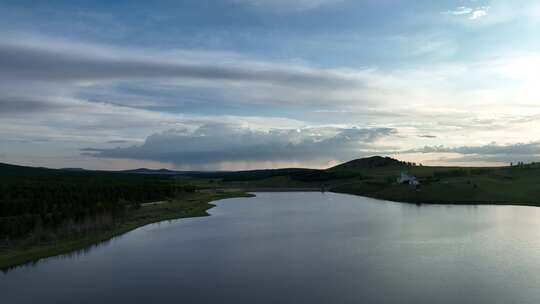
{"x": 263, "y": 189}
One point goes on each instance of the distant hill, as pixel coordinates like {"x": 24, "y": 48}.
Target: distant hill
{"x": 369, "y": 163}
{"x": 11, "y": 170}
{"x": 294, "y": 173}
{"x": 152, "y": 171}
{"x": 17, "y": 170}
{"x": 74, "y": 169}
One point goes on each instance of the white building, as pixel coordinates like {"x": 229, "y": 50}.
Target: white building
{"x": 409, "y": 179}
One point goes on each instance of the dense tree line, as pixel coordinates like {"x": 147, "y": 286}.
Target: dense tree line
{"x": 41, "y": 199}
{"x": 310, "y": 176}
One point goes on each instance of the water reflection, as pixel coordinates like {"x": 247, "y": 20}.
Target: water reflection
{"x": 70, "y": 255}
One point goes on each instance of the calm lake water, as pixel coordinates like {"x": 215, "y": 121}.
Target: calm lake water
{"x": 303, "y": 248}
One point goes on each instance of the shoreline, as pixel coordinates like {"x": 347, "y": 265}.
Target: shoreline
{"x": 272, "y": 189}
{"x": 450, "y": 203}
{"x": 404, "y": 201}
{"x": 171, "y": 210}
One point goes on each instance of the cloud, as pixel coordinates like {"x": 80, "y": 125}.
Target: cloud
{"x": 39, "y": 69}
{"x": 10, "y": 106}
{"x": 462, "y": 10}
{"x": 517, "y": 149}
{"x": 79, "y": 121}
{"x": 287, "y": 5}
{"x": 492, "y": 154}
{"x": 74, "y": 64}
{"x": 216, "y": 143}
{"x": 88, "y": 94}
{"x": 51, "y": 69}
{"x": 479, "y": 13}
{"x": 469, "y": 12}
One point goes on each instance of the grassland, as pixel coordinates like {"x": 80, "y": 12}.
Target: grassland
{"x": 510, "y": 185}
{"x": 191, "y": 205}
{"x": 518, "y": 185}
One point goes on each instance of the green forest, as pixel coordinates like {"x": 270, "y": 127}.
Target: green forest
{"x": 44, "y": 204}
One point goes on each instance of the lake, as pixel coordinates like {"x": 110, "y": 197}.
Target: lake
{"x": 303, "y": 248}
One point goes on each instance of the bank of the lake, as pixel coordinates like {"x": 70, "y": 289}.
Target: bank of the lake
{"x": 455, "y": 193}
{"x": 193, "y": 205}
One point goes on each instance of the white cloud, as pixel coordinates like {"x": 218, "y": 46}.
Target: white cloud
{"x": 479, "y": 13}
{"x": 462, "y": 10}
{"x": 469, "y": 12}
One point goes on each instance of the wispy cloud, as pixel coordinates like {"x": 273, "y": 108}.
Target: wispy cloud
{"x": 462, "y": 10}
{"x": 472, "y": 13}
{"x": 488, "y": 154}
{"x": 286, "y": 5}
{"x": 531, "y": 148}
{"x": 28, "y": 63}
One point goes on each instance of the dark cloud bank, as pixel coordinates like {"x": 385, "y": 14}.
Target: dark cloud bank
{"x": 215, "y": 143}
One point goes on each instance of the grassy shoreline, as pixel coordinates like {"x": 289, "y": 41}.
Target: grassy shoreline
{"x": 195, "y": 205}
{"x": 471, "y": 190}
{"x": 441, "y": 202}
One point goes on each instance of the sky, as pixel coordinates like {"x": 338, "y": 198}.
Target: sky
{"x": 245, "y": 84}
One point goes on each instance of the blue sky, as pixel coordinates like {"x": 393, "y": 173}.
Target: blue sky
{"x": 240, "y": 84}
